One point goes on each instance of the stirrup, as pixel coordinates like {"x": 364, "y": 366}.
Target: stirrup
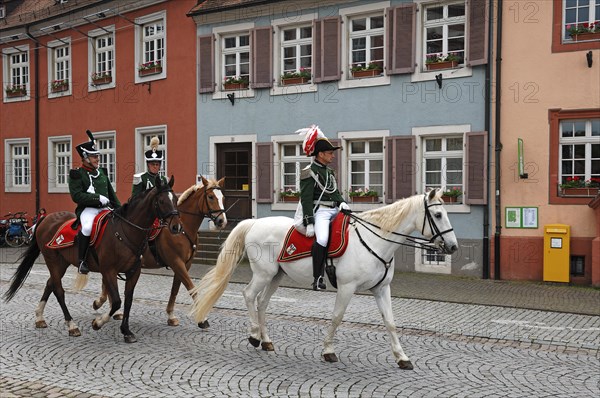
{"x": 83, "y": 268}
{"x": 319, "y": 284}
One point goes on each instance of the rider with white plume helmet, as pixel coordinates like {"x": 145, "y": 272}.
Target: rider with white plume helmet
{"x": 146, "y": 180}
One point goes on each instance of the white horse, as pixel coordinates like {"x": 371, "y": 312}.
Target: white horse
{"x": 366, "y": 264}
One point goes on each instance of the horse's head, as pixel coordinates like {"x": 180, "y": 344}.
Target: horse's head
{"x": 212, "y": 202}
{"x": 164, "y": 205}
{"x": 436, "y": 225}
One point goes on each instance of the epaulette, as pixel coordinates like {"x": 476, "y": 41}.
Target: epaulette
{"x": 74, "y": 174}
{"x": 306, "y": 173}
{"x": 137, "y": 178}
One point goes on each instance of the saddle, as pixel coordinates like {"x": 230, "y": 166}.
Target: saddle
{"x": 65, "y": 235}
{"x": 297, "y": 245}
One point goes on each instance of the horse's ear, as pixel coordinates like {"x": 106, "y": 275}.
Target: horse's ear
{"x": 432, "y": 194}
{"x": 221, "y": 182}
{"x": 172, "y": 181}
{"x": 204, "y": 181}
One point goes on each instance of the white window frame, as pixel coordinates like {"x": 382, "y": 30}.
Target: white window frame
{"x": 297, "y": 159}
{"x": 440, "y": 131}
{"x": 444, "y": 22}
{"x": 54, "y": 61}
{"x": 347, "y": 15}
{"x": 9, "y": 176}
{"x": 7, "y": 54}
{"x": 93, "y": 53}
{"x": 344, "y": 183}
{"x": 108, "y": 154}
{"x": 279, "y": 25}
{"x": 586, "y": 140}
{"x": 591, "y": 13}
{"x": 141, "y": 22}
{"x": 54, "y": 186}
{"x": 367, "y": 157}
{"x": 220, "y": 34}
{"x": 432, "y": 267}
{"x": 143, "y": 134}
{"x": 421, "y": 73}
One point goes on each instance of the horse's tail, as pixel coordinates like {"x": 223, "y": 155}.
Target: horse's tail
{"x": 212, "y": 286}
{"x": 80, "y": 282}
{"x": 28, "y": 259}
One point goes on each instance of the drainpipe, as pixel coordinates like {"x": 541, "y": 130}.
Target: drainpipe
{"x": 498, "y": 144}
{"x": 36, "y": 111}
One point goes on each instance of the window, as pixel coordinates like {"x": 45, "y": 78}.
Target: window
{"x": 366, "y": 41}
{"x": 19, "y": 70}
{"x": 102, "y": 61}
{"x": 579, "y": 13}
{"x": 443, "y": 162}
{"x": 430, "y": 261}
{"x": 151, "y": 50}
{"x": 444, "y": 31}
{"x": 579, "y": 150}
{"x": 365, "y": 165}
{"x": 59, "y": 156}
{"x": 108, "y": 155}
{"x": 293, "y": 161}
{"x": 145, "y": 135}
{"x": 59, "y": 68}
{"x": 296, "y": 49}
{"x": 18, "y": 165}
{"x": 235, "y": 52}
{"x": 153, "y": 38}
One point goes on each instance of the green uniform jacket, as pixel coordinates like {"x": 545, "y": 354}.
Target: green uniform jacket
{"x": 143, "y": 181}
{"x": 80, "y": 180}
{"x": 310, "y": 191}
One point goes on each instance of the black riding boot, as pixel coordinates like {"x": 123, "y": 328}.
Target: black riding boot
{"x": 83, "y": 242}
{"x": 318, "y": 256}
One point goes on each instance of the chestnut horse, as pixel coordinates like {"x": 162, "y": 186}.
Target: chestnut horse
{"x": 177, "y": 251}
{"x": 124, "y": 240}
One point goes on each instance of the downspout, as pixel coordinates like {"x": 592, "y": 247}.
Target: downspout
{"x": 487, "y": 122}
{"x": 498, "y": 144}
{"x": 36, "y": 111}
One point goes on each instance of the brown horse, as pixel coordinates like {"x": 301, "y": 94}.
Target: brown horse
{"x": 177, "y": 251}
{"x": 125, "y": 238}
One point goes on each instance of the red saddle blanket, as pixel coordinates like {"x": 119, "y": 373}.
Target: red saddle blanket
{"x": 65, "y": 236}
{"x": 297, "y": 245}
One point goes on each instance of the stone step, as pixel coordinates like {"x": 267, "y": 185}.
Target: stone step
{"x": 209, "y": 246}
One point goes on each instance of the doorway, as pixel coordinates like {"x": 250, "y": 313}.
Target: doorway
{"x": 234, "y": 162}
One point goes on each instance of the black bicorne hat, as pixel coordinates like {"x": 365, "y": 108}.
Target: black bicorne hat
{"x": 323, "y": 145}
{"x": 154, "y": 155}
{"x": 87, "y": 148}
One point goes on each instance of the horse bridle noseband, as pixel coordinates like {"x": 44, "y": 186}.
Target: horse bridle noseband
{"x": 212, "y": 214}
{"x": 432, "y": 225}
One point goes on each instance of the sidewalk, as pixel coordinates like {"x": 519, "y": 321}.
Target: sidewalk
{"x": 530, "y": 295}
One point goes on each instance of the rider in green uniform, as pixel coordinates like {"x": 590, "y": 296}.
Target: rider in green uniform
{"x": 154, "y": 158}
{"x": 92, "y": 191}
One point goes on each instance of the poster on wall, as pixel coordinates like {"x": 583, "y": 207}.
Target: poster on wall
{"x": 521, "y": 217}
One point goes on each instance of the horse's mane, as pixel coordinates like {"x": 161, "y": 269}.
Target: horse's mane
{"x": 132, "y": 203}
{"x": 194, "y": 188}
{"x": 389, "y": 217}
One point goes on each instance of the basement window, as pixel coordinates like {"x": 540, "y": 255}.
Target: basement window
{"x": 577, "y": 265}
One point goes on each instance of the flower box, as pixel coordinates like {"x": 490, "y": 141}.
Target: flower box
{"x": 442, "y": 65}
{"x": 150, "y": 71}
{"x": 586, "y": 36}
{"x": 290, "y": 81}
{"x": 364, "y": 199}
{"x": 59, "y": 88}
{"x": 102, "y": 80}
{"x": 359, "y": 74}
{"x": 235, "y": 86}
{"x": 16, "y": 93}
{"x": 292, "y": 199}
{"x": 580, "y": 192}
{"x": 450, "y": 199}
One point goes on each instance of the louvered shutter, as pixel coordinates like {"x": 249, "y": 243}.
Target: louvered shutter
{"x": 476, "y": 168}
{"x": 401, "y": 28}
{"x": 401, "y": 168}
{"x": 264, "y": 172}
{"x": 478, "y": 31}
{"x": 327, "y": 49}
{"x": 262, "y": 63}
{"x": 206, "y": 64}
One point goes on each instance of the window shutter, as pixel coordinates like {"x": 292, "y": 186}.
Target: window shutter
{"x": 476, "y": 168}
{"x": 262, "y": 63}
{"x": 206, "y": 65}
{"x": 478, "y": 32}
{"x": 401, "y": 28}
{"x": 400, "y": 168}
{"x": 264, "y": 172}
{"x": 327, "y": 49}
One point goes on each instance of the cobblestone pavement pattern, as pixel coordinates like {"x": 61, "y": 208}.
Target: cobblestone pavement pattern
{"x": 458, "y": 350}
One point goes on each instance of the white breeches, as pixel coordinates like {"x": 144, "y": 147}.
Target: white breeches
{"x": 87, "y": 219}
{"x": 323, "y": 217}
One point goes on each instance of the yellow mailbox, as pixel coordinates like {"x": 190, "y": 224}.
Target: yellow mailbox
{"x": 557, "y": 253}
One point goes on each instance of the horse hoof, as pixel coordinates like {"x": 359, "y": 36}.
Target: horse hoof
{"x": 405, "y": 365}
{"x": 118, "y": 317}
{"x": 330, "y": 357}
{"x": 204, "y": 325}
{"x": 96, "y": 306}
{"x": 74, "y": 333}
{"x": 40, "y": 324}
{"x": 95, "y": 325}
{"x": 253, "y": 341}
{"x": 267, "y": 346}
{"x": 173, "y": 322}
{"x": 130, "y": 338}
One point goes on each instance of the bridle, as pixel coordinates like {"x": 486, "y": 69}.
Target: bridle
{"x": 432, "y": 225}
{"x": 212, "y": 214}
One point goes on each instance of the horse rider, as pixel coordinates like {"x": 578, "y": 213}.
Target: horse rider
{"x": 92, "y": 191}
{"x": 320, "y": 198}
{"x": 154, "y": 158}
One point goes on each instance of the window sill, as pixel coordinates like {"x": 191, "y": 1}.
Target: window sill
{"x": 13, "y": 189}
{"x": 364, "y": 82}
{"x": 148, "y": 78}
{"x": 97, "y": 87}
{"x": 294, "y": 89}
{"x": 59, "y": 94}
{"x": 58, "y": 189}
{"x": 19, "y": 98}
{"x": 222, "y": 94}
{"x": 426, "y": 75}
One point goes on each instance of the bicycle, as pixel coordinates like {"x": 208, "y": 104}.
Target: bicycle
{"x": 17, "y": 235}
